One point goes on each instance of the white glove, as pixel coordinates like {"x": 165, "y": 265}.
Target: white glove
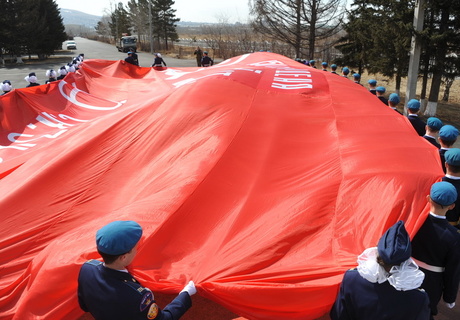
{"x": 189, "y": 288}
{"x": 450, "y": 305}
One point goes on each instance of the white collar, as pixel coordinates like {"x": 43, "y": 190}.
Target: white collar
{"x": 437, "y": 216}
{"x": 124, "y": 270}
{"x": 403, "y": 277}
{"x": 452, "y": 177}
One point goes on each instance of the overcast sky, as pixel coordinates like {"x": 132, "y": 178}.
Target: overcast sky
{"x": 187, "y": 10}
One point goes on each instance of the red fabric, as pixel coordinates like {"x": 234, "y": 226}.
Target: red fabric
{"x": 259, "y": 178}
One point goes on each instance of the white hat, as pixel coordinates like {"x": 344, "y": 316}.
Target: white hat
{"x": 51, "y": 73}
{"x": 32, "y": 78}
{"x": 62, "y": 71}
{"x": 70, "y": 67}
{"x": 6, "y": 87}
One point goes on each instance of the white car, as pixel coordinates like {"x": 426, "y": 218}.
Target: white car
{"x": 71, "y": 45}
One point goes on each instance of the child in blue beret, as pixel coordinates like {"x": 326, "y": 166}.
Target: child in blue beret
{"x": 435, "y": 248}
{"x": 108, "y": 291}
{"x": 372, "y": 86}
{"x": 380, "y": 93}
{"x": 447, "y": 137}
{"x": 413, "y": 107}
{"x": 452, "y": 164}
{"x": 433, "y": 125}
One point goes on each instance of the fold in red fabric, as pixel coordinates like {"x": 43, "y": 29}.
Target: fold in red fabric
{"x": 259, "y": 178}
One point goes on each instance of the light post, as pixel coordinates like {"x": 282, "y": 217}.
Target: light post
{"x": 150, "y": 27}
{"x": 415, "y": 51}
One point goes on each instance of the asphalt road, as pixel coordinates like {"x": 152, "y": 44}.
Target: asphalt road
{"x": 92, "y": 50}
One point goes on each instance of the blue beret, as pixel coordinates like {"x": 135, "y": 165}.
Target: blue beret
{"x": 346, "y": 70}
{"x": 443, "y": 193}
{"x": 324, "y": 63}
{"x": 312, "y": 61}
{"x": 413, "y": 104}
{"x": 448, "y": 133}
{"x": 380, "y": 89}
{"x": 372, "y": 82}
{"x": 434, "y": 123}
{"x": 452, "y": 157}
{"x": 394, "y": 246}
{"x": 118, "y": 237}
{"x": 356, "y": 75}
{"x": 394, "y": 97}
{"x": 333, "y": 65}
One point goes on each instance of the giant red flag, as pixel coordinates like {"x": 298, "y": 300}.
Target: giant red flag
{"x": 259, "y": 178}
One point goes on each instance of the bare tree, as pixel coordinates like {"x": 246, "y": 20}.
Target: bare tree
{"x": 226, "y": 38}
{"x": 451, "y": 72}
{"x": 299, "y": 23}
{"x": 103, "y": 28}
{"x": 138, "y": 13}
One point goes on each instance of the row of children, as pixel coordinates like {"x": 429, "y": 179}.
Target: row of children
{"x": 51, "y": 74}
{"x": 443, "y": 137}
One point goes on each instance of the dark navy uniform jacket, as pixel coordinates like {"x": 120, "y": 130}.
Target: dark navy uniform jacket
{"x": 432, "y": 141}
{"x": 437, "y": 243}
{"x": 110, "y": 295}
{"x": 130, "y": 59}
{"x": 206, "y": 61}
{"x": 359, "y": 299}
{"x": 396, "y": 110}
{"x": 443, "y": 159}
{"x": 454, "y": 214}
{"x": 417, "y": 123}
{"x": 158, "y": 62}
{"x": 384, "y": 100}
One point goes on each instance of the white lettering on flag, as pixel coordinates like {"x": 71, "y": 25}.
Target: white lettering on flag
{"x": 292, "y": 79}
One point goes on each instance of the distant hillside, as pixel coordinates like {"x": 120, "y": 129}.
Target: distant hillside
{"x": 192, "y": 24}
{"x": 74, "y": 17}
{"x": 77, "y": 18}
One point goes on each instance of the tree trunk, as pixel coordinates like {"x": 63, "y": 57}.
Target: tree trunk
{"x": 431, "y": 108}
{"x": 441, "y": 50}
{"x": 423, "y": 104}
{"x": 166, "y": 40}
{"x": 434, "y": 93}
{"x": 298, "y": 40}
{"x": 314, "y": 18}
{"x": 423, "y": 100}
{"x": 449, "y": 82}
{"x": 398, "y": 83}
{"x": 426, "y": 63}
{"x": 424, "y": 85}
